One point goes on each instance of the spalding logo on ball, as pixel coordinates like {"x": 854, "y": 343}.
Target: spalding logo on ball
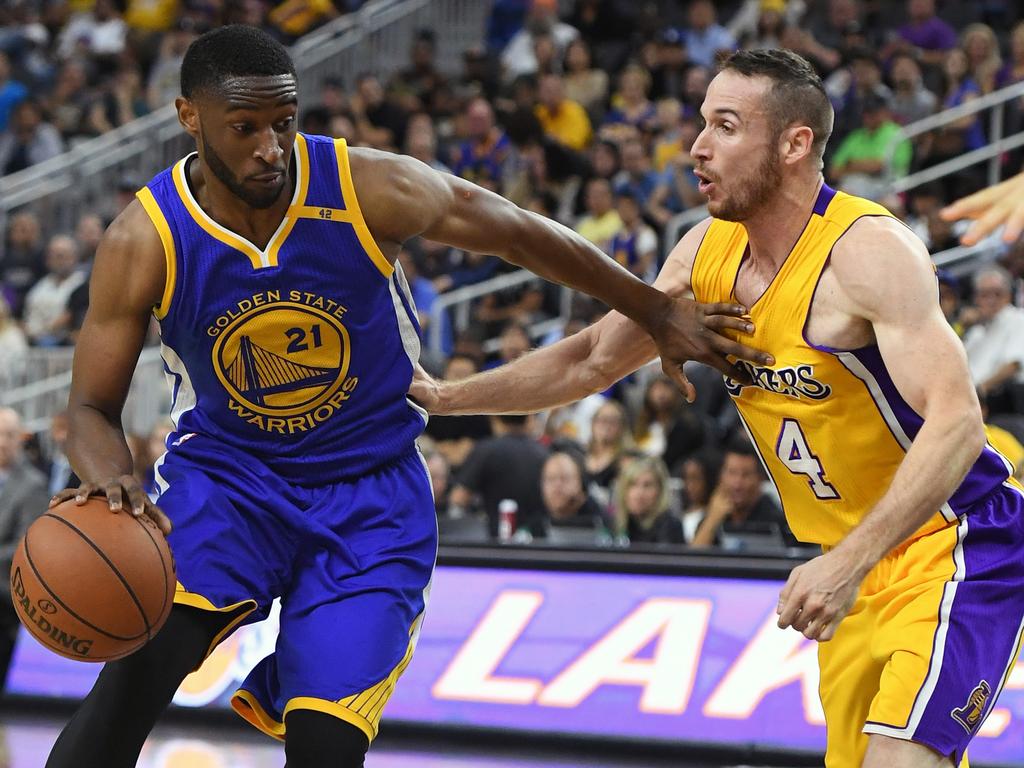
{"x": 91, "y": 584}
{"x": 75, "y": 647}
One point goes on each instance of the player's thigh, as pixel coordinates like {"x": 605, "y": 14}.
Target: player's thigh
{"x": 359, "y": 595}
{"x": 886, "y": 752}
{"x": 231, "y": 544}
{"x": 952, "y": 642}
{"x": 849, "y": 678}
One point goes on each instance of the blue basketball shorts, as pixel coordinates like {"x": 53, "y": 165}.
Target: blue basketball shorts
{"x": 351, "y": 563}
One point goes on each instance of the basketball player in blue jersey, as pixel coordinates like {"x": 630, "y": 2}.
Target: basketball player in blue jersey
{"x": 290, "y": 340}
{"x": 866, "y": 421}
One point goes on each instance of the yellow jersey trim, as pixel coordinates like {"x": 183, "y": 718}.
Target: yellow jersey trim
{"x": 260, "y": 259}
{"x": 152, "y": 208}
{"x": 250, "y": 710}
{"x": 320, "y": 214}
{"x": 348, "y": 191}
{"x": 363, "y": 710}
{"x": 193, "y": 599}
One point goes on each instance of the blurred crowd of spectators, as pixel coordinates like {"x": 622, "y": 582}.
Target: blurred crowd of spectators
{"x": 74, "y": 69}
{"x": 583, "y": 111}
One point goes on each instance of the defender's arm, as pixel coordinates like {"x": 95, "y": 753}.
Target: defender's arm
{"x": 587, "y": 362}
{"x": 404, "y": 198}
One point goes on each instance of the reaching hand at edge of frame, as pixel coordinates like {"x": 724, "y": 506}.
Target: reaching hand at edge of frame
{"x": 117, "y": 490}
{"x": 1001, "y": 205}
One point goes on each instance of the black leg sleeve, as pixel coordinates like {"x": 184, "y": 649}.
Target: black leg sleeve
{"x": 113, "y": 721}
{"x": 318, "y": 740}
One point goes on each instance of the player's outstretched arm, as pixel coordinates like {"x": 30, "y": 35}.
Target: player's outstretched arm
{"x": 1001, "y": 205}
{"x": 580, "y": 365}
{"x": 404, "y": 197}
{"x": 886, "y": 276}
{"x": 127, "y": 283}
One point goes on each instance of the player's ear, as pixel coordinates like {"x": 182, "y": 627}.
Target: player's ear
{"x": 797, "y": 143}
{"x": 188, "y": 115}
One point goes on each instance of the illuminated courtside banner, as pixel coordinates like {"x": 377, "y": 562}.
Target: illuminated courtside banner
{"x": 666, "y": 658}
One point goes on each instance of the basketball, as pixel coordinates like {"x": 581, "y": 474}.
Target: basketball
{"x": 91, "y": 584}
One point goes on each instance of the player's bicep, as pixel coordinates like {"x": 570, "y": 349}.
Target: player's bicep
{"x": 927, "y": 364}
{"x": 887, "y": 277}
{"x": 478, "y": 220}
{"x": 127, "y": 282}
{"x": 403, "y": 198}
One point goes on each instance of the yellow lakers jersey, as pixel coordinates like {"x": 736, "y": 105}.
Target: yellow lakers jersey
{"x": 829, "y": 424}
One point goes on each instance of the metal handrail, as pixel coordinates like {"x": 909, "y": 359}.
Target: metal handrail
{"x": 952, "y": 114}
{"x": 140, "y": 127}
{"x": 990, "y": 151}
{"x": 996, "y": 101}
{"x": 678, "y": 225}
{"x": 462, "y": 299}
{"x": 955, "y": 257}
{"x": 38, "y": 400}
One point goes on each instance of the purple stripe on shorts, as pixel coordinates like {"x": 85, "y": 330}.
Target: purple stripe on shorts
{"x": 984, "y": 624}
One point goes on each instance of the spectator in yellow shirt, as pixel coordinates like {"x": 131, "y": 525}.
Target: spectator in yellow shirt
{"x": 297, "y": 17}
{"x": 563, "y": 120}
{"x": 601, "y": 222}
{"x": 151, "y": 15}
{"x": 668, "y": 141}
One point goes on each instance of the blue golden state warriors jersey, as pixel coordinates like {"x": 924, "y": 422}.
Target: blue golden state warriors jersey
{"x": 301, "y": 353}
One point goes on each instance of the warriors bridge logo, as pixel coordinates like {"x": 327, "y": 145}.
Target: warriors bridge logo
{"x": 283, "y": 360}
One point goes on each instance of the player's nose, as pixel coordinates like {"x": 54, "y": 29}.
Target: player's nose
{"x": 269, "y": 150}
{"x": 701, "y": 148}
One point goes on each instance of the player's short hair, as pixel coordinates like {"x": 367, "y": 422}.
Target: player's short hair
{"x": 797, "y": 94}
{"x": 236, "y": 50}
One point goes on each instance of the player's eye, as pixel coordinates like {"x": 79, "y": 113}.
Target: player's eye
{"x": 726, "y": 127}
{"x": 285, "y": 124}
{"x": 242, "y": 128}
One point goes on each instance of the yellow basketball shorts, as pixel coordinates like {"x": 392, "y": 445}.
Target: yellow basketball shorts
{"x": 932, "y": 637}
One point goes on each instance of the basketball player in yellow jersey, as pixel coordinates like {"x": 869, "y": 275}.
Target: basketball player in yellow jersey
{"x": 866, "y": 420}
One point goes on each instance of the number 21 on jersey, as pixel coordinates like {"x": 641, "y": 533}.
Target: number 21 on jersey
{"x": 793, "y": 451}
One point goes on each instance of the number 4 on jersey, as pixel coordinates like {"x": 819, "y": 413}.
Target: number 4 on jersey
{"x": 794, "y": 452}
